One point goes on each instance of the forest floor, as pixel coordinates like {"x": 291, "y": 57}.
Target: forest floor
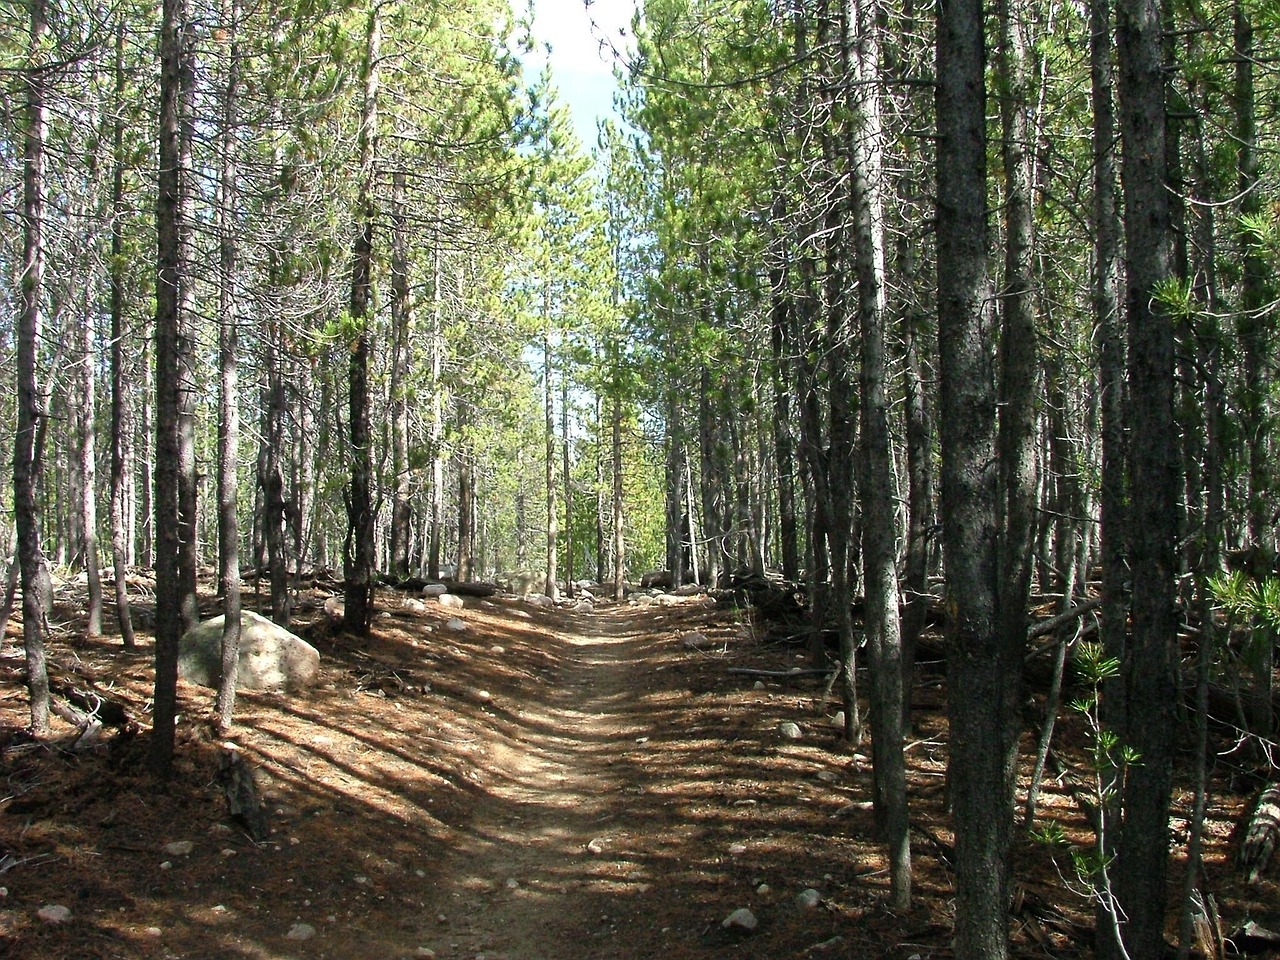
{"x": 539, "y": 785}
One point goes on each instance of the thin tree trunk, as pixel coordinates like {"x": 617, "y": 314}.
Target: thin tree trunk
{"x": 188, "y": 521}
{"x": 171, "y": 276}
{"x": 401, "y": 513}
{"x": 119, "y": 394}
{"x": 358, "y": 555}
{"x": 26, "y": 513}
{"x": 229, "y": 401}
{"x": 551, "y": 587}
{"x": 619, "y": 540}
{"x": 566, "y": 481}
{"x": 879, "y": 512}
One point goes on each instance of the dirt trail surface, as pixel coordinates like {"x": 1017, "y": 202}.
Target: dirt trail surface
{"x": 500, "y": 781}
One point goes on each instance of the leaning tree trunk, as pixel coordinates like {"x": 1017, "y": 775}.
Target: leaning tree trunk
{"x": 26, "y": 515}
{"x": 358, "y": 554}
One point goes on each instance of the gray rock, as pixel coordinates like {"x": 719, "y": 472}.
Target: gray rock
{"x": 838, "y": 720}
{"x": 456, "y": 625}
{"x": 451, "y": 601}
{"x": 696, "y": 641}
{"x": 301, "y": 931}
{"x": 271, "y": 658}
{"x": 434, "y": 590}
{"x": 540, "y": 600}
{"x": 789, "y": 731}
{"x": 740, "y": 919}
{"x": 179, "y": 848}
{"x": 808, "y": 899}
{"x": 584, "y": 606}
{"x": 54, "y": 913}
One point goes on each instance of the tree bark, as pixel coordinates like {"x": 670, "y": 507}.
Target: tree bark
{"x": 229, "y": 400}
{"x": 170, "y": 277}
{"x": 982, "y": 672}
{"x": 119, "y": 394}
{"x": 551, "y": 586}
{"x": 30, "y": 558}
{"x": 1149, "y": 665}
{"x": 879, "y": 512}
{"x": 401, "y": 513}
{"x": 358, "y": 556}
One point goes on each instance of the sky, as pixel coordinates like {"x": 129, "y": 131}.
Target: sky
{"x": 581, "y": 68}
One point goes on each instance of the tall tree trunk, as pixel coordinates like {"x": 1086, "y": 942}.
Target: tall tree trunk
{"x": 358, "y": 562}
{"x": 30, "y": 558}
{"x": 713, "y": 524}
{"x": 1148, "y": 668}
{"x": 119, "y": 394}
{"x": 1112, "y": 401}
{"x": 87, "y": 514}
{"x": 169, "y": 335}
{"x": 466, "y": 516}
{"x": 229, "y": 399}
{"x": 784, "y": 448}
{"x": 879, "y": 512}
{"x": 401, "y": 513}
{"x": 981, "y": 673}
{"x": 437, "y": 416}
{"x": 566, "y": 482}
{"x": 551, "y": 587}
{"x": 188, "y": 480}
{"x": 619, "y": 540}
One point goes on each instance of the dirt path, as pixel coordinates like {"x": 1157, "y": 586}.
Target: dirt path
{"x": 542, "y": 866}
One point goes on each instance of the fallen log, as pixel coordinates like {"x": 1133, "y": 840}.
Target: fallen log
{"x": 783, "y": 674}
{"x": 1261, "y": 830}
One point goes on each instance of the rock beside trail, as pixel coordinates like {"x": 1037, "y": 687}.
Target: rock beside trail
{"x": 696, "y": 641}
{"x": 451, "y": 601}
{"x": 54, "y": 913}
{"x": 271, "y": 658}
{"x": 741, "y": 919}
{"x": 790, "y": 731}
{"x": 808, "y": 899}
{"x": 434, "y": 590}
{"x": 301, "y": 931}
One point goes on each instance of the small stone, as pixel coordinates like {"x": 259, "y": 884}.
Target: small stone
{"x": 166, "y": 865}
{"x": 425, "y": 952}
{"x": 763, "y": 890}
{"x": 539, "y": 600}
{"x": 434, "y": 590}
{"x": 484, "y": 696}
{"x": 513, "y": 883}
{"x": 218, "y": 908}
{"x": 789, "y": 731}
{"x": 54, "y": 913}
{"x": 153, "y": 932}
{"x": 825, "y": 945}
{"x": 497, "y": 649}
{"x": 228, "y": 852}
{"x": 838, "y": 720}
{"x": 828, "y": 776}
{"x": 456, "y": 625}
{"x": 758, "y": 685}
{"x": 179, "y": 848}
{"x": 737, "y": 848}
{"x": 584, "y": 606}
{"x": 696, "y": 641}
{"x": 808, "y": 899}
{"x": 596, "y": 846}
{"x": 451, "y": 601}
{"x": 301, "y": 931}
{"x": 740, "y": 919}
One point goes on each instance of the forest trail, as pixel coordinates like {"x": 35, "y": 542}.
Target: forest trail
{"x": 543, "y": 870}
